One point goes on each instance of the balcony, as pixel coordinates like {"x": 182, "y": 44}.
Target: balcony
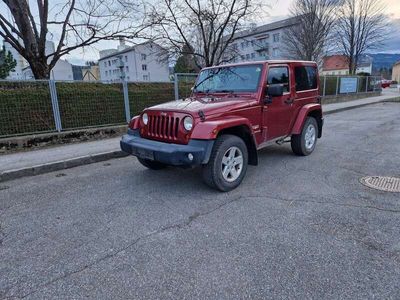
{"x": 261, "y": 46}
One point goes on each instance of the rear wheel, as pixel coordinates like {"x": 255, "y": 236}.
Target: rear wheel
{"x": 151, "y": 164}
{"x": 227, "y": 165}
{"x": 305, "y": 142}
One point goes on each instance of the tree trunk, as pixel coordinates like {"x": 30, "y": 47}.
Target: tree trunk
{"x": 40, "y": 69}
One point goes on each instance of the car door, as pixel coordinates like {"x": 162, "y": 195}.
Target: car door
{"x": 278, "y": 111}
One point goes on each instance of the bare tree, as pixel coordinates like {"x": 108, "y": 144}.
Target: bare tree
{"x": 307, "y": 40}
{"x": 73, "y": 24}
{"x": 361, "y": 27}
{"x": 206, "y": 27}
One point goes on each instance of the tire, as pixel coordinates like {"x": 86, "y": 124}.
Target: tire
{"x": 151, "y": 164}
{"x": 304, "y": 144}
{"x": 225, "y": 156}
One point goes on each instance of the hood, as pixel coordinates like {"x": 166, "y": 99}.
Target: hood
{"x": 208, "y": 105}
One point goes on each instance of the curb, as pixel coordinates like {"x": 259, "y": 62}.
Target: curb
{"x": 394, "y": 99}
{"x": 94, "y": 158}
{"x": 60, "y": 165}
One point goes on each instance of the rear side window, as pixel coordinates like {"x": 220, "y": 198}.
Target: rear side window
{"x": 279, "y": 75}
{"x": 306, "y": 78}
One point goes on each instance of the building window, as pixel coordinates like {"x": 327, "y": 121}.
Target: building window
{"x": 126, "y": 58}
{"x": 243, "y": 45}
{"x": 109, "y": 63}
{"x": 242, "y": 57}
{"x": 105, "y": 64}
{"x": 275, "y": 52}
{"x": 144, "y": 67}
{"x": 106, "y": 73}
{"x": 146, "y": 77}
{"x": 127, "y": 69}
{"x": 276, "y": 37}
{"x": 253, "y": 55}
{"x": 143, "y": 56}
{"x": 264, "y": 53}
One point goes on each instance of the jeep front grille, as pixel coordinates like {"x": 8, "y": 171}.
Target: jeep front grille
{"x": 164, "y": 127}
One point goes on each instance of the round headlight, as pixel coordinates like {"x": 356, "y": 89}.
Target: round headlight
{"x": 145, "y": 118}
{"x": 188, "y": 123}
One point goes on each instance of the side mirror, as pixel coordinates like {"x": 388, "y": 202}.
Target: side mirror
{"x": 275, "y": 90}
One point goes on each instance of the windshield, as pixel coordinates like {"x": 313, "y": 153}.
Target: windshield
{"x": 229, "y": 79}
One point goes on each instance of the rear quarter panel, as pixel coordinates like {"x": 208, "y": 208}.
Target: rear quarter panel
{"x": 302, "y": 116}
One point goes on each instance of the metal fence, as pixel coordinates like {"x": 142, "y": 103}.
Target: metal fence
{"x": 331, "y": 85}
{"x": 183, "y": 83}
{"x": 28, "y": 107}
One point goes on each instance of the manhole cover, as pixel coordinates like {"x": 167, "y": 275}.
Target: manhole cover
{"x": 382, "y": 183}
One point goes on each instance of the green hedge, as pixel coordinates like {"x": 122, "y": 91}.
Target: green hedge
{"x": 142, "y": 95}
{"x": 25, "y": 107}
{"x": 90, "y": 104}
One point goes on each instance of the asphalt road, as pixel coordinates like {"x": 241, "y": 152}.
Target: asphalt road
{"x": 297, "y": 227}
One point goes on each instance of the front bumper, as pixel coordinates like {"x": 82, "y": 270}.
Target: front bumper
{"x": 171, "y": 154}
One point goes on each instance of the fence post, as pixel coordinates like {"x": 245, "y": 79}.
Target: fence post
{"x": 176, "y": 86}
{"x": 337, "y": 85}
{"x": 126, "y": 101}
{"x": 323, "y": 93}
{"x": 54, "y": 104}
{"x": 366, "y": 84}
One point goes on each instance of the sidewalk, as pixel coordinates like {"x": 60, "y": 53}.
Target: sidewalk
{"x": 67, "y": 156}
{"x": 56, "y": 158}
{"x": 337, "y": 107}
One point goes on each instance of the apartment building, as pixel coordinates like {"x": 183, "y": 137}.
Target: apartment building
{"x": 140, "y": 63}
{"x": 260, "y": 43}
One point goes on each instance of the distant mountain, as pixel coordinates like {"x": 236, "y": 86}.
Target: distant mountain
{"x": 383, "y": 60}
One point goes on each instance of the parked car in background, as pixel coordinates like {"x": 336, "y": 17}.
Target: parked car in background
{"x": 386, "y": 83}
{"x": 234, "y": 111}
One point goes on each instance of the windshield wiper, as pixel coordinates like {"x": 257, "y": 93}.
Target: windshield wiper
{"x": 224, "y": 91}
{"x": 208, "y": 77}
{"x": 229, "y": 92}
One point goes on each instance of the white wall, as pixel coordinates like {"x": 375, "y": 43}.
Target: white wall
{"x": 133, "y": 62}
{"x": 62, "y": 71}
{"x": 364, "y": 69}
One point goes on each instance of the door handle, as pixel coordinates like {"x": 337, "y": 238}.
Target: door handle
{"x": 289, "y": 101}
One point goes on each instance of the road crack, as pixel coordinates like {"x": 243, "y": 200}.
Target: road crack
{"x": 186, "y": 222}
{"x": 291, "y": 201}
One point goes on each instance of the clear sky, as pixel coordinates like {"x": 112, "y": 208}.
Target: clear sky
{"x": 279, "y": 9}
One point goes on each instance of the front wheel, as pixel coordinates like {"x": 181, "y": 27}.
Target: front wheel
{"x": 227, "y": 165}
{"x": 304, "y": 143}
{"x": 151, "y": 164}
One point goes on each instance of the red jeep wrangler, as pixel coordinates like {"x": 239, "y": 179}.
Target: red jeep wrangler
{"x": 234, "y": 110}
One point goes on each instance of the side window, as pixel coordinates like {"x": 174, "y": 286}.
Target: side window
{"x": 279, "y": 75}
{"x": 306, "y": 78}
